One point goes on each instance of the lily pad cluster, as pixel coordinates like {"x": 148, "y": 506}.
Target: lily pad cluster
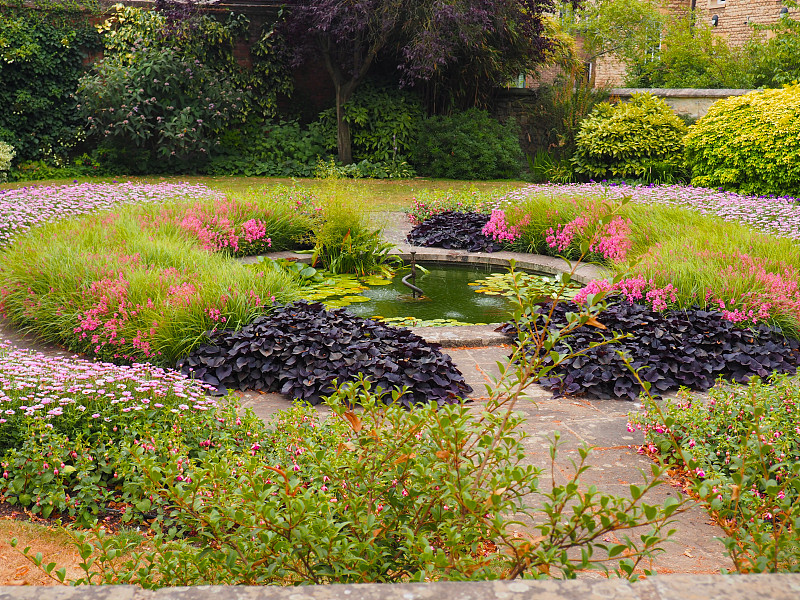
{"x": 414, "y": 322}
{"x": 301, "y": 348}
{"x": 319, "y": 285}
{"x": 456, "y": 230}
{"x": 691, "y": 347}
{"x": 530, "y": 285}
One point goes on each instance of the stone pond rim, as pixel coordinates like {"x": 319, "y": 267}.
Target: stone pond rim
{"x": 472, "y": 336}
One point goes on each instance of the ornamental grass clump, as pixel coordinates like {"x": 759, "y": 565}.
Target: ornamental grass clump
{"x": 677, "y": 247}
{"x": 345, "y": 238}
{"x": 111, "y": 288}
{"x": 740, "y": 453}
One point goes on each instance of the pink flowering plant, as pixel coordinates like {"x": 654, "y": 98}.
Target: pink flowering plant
{"x": 740, "y": 452}
{"x": 378, "y": 495}
{"x": 679, "y": 247}
{"x": 68, "y": 427}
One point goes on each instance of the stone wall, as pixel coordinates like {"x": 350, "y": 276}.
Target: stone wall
{"x": 686, "y": 102}
{"x": 736, "y": 17}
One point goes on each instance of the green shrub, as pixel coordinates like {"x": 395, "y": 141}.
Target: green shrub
{"x": 157, "y": 109}
{"x": 739, "y": 450}
{"x": 283, "y": 149}
{"x": 775, "y": 61}
{"x": 384, "y": 123}
{"x": 6, "y": 155}
{"x": 41, "y": 61}
{"x": 468, "y": 145}
{"x": 208, "y": 38}
{"x": 640, "y": 139}
{"x": 749, "y": 143}
{"x": 691, "y": 56}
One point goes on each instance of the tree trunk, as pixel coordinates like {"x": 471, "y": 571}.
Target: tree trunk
{"x": 343, "y": 140}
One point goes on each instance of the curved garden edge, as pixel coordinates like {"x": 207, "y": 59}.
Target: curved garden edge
{"x": 470, "y": 336}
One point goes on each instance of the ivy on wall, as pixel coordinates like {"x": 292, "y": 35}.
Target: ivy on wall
{"x": 42, "y": 55}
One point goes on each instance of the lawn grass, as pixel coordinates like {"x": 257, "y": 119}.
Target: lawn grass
{"x": 379, "y": 194}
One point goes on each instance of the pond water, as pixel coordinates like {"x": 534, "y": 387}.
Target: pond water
{"x": 448, "y": 295}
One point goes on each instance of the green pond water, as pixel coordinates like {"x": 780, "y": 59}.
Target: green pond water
{"x": 448, "y": 295}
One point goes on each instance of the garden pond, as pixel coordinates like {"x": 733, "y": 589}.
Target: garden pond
{"x": 453, "y": 294}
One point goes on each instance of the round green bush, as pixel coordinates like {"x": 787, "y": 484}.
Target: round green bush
{"x": 468, "y": 145}
{"x": 749, "y": 143}
{"x": 641, "y": 139}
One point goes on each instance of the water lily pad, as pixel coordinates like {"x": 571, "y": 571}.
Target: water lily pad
{"x": 375, "y": 280}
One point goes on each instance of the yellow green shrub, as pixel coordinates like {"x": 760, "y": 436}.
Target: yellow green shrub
{"x": 750, "y": 143}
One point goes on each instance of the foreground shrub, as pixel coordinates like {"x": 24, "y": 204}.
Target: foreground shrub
{"x": 301, "y": 350}
{"x": 457, "y": 230}
{"x": 468, "y": 145}
{"x": 640, "y": 139}
{"x": 67, "y": 425}
{"x": 749, "y": 143}
{"x": 739, "y": 451}
{"x": 674, "y": 348}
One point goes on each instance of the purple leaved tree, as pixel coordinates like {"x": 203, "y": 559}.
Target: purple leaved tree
{"x": 424, "y": 37}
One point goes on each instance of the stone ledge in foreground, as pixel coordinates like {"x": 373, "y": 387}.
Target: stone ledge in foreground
{"x": 665, "y": 587}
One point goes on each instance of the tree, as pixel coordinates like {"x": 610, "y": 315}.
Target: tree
{"x": 628, "y": 30}
{"x": 425, "y": 38}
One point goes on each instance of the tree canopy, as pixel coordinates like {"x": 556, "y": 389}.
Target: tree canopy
{"x": 463, "y": 46}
